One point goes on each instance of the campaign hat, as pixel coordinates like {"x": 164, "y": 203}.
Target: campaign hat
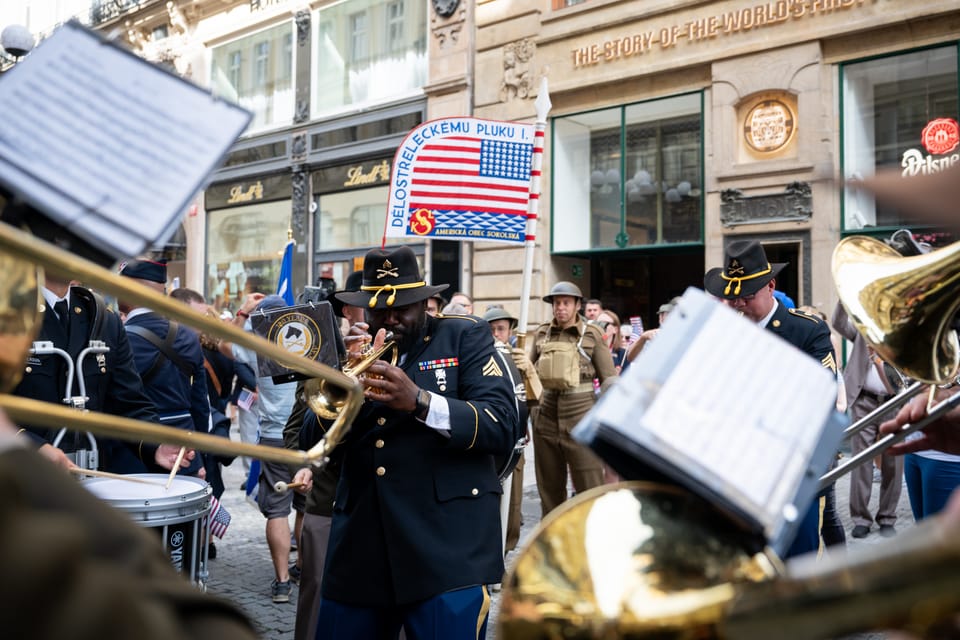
{"x": 746, "y": 272}
{"x": 391, "y": 278}
{"x": 350, "y": 286}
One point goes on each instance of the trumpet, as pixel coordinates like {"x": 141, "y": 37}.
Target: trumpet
{"x": 19, "y": 313}
{"x": 329, "y": 400}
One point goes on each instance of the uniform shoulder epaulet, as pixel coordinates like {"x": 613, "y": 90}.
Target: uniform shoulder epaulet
{"x": 441, "y": 316}
{"x": 806, "y": 316}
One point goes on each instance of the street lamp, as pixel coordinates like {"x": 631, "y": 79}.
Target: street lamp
{"x": 16, "y": 41}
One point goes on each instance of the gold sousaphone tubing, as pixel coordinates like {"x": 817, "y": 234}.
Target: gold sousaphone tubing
{"x": 18, "y": 325}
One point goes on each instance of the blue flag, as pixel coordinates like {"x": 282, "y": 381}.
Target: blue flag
{"x": 285, "y": 284}
{"x": 253, "y": 479}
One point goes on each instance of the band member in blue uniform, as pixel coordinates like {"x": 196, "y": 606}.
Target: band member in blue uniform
{"x": 168, "y": 357}
{"x": 74, "y": 315}
{"x": 747, "y": 284}
{"x": 416, "y": 525}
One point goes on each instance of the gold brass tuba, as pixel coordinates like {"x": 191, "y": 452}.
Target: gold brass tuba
{"x": 19, "y": 312}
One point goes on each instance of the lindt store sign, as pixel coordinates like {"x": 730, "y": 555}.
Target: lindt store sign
{"x": 939, "y": 138}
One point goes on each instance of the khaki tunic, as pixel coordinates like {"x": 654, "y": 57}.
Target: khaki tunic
{"x": 555, "y": 451}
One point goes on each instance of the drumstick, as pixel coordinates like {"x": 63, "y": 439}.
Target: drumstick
{"x": 176, "y": 467}
{"x": 281, "y": 486}
{"x": 106, "y": 474}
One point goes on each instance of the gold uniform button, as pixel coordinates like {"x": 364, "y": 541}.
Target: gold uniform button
{"x": 475, "y": 491}
{"x": 103, "y": 369}
{"x": 29, "y": 369}
{"x": 381, "y": 471}
{"x": 379, "y": 444}
{"x": 381, "y": 421}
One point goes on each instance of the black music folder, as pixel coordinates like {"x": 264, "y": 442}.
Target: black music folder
{"x": 101, "y": 152}
{"x": 308, "y": 330}
{"x": 728, "y": 410}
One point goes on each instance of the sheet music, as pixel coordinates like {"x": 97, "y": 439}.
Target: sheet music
{"x": 740, "y": 405}
{"x": 106, "y": 143}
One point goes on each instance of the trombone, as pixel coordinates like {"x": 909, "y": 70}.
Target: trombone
{"x": 900, "y": 305}
{"x": 16, "y": 334}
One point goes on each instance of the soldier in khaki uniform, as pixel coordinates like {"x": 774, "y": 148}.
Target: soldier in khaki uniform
{"x": 562, "y": 349}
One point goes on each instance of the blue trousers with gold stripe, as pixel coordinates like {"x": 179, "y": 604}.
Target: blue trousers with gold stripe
{"x": 455, "y": 615}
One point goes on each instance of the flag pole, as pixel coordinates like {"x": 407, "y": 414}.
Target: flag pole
{"x": 542, "y": 106}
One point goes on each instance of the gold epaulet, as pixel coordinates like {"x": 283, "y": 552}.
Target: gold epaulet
{"x": 806, "y": 316}
{"x": 441, "y": 316}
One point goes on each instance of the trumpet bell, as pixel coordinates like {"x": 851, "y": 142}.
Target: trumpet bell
{"x": 903, "y": 307}
{"x": 327, "y": 400}
{"x": 631, "y": 560}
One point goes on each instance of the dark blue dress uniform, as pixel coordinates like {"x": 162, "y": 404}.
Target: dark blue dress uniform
{"x": 811, "y": 335}
{"x": 112, "y": 382}
{"x": 180, "y": 400}
{"x": 746, "y": 273}
{"x": 417, "y": 511}
{"x": 806, "y": 332}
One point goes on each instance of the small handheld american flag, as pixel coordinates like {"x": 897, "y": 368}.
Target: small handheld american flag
{"x": 636, "y": 325}
{"x": 219, "y": 518}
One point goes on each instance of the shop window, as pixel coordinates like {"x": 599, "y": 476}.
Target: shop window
{"x": 350, "y": 220}
{"x": 257, "y": 72}
{"x": 629, "y": 176}
{"x": 367, "y": 51}
{"x": 888, "y": 105}
{"x": 244, "y": 248}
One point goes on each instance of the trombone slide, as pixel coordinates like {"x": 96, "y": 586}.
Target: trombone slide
{"x": 23, "y": 246}
{"x": 884, "y": 443}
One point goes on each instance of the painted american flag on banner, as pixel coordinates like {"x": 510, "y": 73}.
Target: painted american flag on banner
{"x": 462, "y": 179}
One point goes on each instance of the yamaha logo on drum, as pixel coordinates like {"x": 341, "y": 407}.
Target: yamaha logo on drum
{"x": 176, "y": 550}
{"x": 297, "y": 333}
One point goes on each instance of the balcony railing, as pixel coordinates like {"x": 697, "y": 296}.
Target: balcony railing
{"x": 102, "y": 11}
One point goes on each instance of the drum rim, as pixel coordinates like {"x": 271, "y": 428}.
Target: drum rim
{"x": 162, "y": 510}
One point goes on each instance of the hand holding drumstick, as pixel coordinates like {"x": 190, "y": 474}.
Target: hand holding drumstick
{"x": 302, "y": 481}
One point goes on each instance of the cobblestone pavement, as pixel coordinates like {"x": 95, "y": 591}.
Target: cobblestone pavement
{"x": 242, "y": 571}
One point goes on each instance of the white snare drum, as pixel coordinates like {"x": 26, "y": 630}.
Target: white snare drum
{"x": 180, "y": 515}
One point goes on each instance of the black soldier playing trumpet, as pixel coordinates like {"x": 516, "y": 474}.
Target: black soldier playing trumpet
{"x": 416, "y": 525}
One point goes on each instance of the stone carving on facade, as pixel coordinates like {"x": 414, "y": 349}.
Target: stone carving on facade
{"x": 518, "y": 81}
{"x": 795, "y": 203}
{"x": 447, "y": 36}
{"x": 298, "y": 214}
{"x": 302, "y": 19}
{"x": 301, "y": 111}
{"x": 298, "y": 148}
{"x": 178, "y": 22}
{"x": 167, "y": 51}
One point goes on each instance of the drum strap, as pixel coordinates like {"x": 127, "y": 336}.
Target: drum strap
{"x": 165, "y": 347}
